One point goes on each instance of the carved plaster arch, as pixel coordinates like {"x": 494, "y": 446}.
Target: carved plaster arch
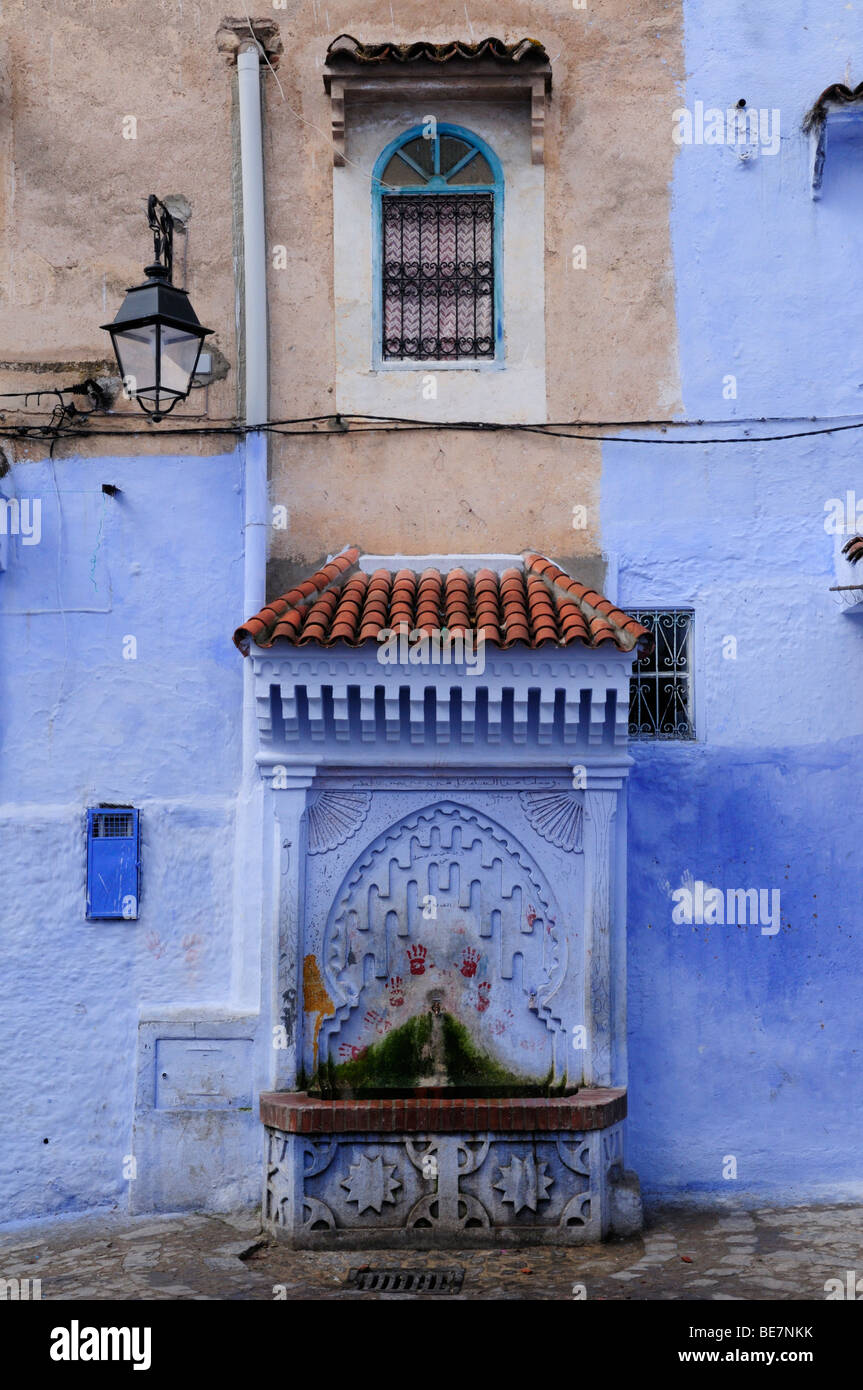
{"x": 381, "y": 894}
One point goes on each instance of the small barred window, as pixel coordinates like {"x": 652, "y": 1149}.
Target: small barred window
{"x": 661, "y": 701}
{"x": 109, "y": 825}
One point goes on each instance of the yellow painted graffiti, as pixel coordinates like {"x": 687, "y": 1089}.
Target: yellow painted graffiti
{"x": 315, "y": 998}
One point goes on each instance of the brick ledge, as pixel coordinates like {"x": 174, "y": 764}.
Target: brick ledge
{"x": 294, "y": 1112}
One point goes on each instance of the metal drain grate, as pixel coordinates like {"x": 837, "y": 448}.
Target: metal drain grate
{"x": 406, "y": 1280}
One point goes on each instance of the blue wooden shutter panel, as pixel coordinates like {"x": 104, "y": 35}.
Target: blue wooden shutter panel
{"x": 113, "y": 862}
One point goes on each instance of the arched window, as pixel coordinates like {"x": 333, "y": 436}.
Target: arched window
{"x": 439, "y": 216}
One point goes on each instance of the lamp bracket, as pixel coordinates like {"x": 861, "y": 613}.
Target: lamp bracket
{"x": 162, "y": 224}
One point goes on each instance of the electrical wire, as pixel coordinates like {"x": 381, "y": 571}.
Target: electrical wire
{"x": 341, "y": 426}
{"x": 88, "y": 387}
{"x": 662, "y": 422}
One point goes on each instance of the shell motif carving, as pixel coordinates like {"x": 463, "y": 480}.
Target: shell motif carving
{"x": 333, "y": 817}
{"x": 558, "y": 816}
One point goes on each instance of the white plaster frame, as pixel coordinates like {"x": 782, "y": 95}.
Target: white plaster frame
{"x": 512, "y": 390}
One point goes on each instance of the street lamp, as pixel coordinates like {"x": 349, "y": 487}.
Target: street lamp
{"x": 157, "y": 336}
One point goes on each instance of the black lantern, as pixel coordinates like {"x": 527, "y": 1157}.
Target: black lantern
{"x": 156, "y": 335}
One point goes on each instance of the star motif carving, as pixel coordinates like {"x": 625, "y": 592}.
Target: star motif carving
{"x": 370, "y": 1183}
{"x": 524, "y": 1183}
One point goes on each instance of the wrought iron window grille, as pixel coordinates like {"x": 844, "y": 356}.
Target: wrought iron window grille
{"x": 438, "y": 276}
{"x": 661, "y": 701}
{"x": 439, "y": 201}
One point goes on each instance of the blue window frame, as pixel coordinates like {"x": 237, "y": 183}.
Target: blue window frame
{"x": 113, "y": 862}
{"x": 437, "y": 204}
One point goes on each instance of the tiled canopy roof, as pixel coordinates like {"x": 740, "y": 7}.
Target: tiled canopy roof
{"x": 348, "y": 49}
{"x": 536, "y": 604}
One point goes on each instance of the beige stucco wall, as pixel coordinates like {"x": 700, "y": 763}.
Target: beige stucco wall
{"x": 74, "y": 189}
{"x": 74, "y": 236}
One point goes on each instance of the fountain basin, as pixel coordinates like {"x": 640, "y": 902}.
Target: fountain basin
{"x": 432, "y": 1171}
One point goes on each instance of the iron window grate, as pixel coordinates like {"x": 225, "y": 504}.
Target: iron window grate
{"x": 113, "y": 825}
{"x": 438, "y": 276}
{"x": 661, "y": 702}
{"x": 370, "y": 1280}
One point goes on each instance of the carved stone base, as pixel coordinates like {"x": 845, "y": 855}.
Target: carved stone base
{"x": 433, "y": 1189}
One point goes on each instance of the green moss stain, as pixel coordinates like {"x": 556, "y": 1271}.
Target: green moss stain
{"x": 466, "y": 1064}
{"x": 395, "y": 1061}
{"x": 415, "y": 1054}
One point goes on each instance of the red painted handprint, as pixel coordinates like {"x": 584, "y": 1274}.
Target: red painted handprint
{"x": 191, "y": 945}
{"x": 484, "y": 997}
{"x": 377, "y": 1021}
{"x": 469, "y": 963}
{"x": 397, "y": 994}
{"x": 417, "y": 959}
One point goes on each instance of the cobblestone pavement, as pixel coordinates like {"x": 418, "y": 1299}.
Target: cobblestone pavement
{"x": 769, "y": 1253}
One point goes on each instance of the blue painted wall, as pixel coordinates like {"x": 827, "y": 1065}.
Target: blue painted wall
{"x": 741, "y": 1044}
{"x": 162, "y": 563}
{"x": 746, "y": 1044}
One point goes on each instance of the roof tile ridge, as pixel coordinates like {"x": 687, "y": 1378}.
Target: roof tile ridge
{"x": 298, "y": 597}
{"x": 348, "y": 46}
{"x": 539, "y": 564}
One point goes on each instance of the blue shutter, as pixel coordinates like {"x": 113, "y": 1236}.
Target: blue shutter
{"x": 113, "y": 862}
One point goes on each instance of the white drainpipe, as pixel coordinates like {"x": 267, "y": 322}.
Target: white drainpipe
{"x": 248, "y": 880}
{"x": 255, "y": 275}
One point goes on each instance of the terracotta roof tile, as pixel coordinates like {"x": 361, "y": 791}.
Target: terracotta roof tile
{"x": 346, "y": 49}
{"x": 536, "y": 604}
{"x": 837, "y": 93}
{"x": 853, "y": 549}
